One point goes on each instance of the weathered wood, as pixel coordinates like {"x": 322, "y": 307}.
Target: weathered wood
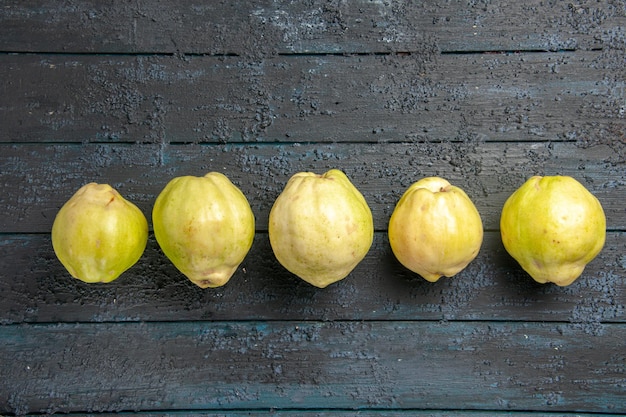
{"x": 345, "y": 413}
{"x": 483, "y": 93}
{"x": 40, "y": 178}
{"x": 234, "y": 365}
{"x": 493, "y": 97}
{"x": 36, "y": 288}
{"x": 267, "y": 27}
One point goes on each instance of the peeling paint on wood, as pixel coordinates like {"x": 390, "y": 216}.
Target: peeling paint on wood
{"x": 489, "y": 172}
{"x": 573, "y": 96}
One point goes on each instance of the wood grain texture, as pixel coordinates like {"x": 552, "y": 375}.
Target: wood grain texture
{"x": 45, "y": 176}
{"x": 347, "y": 413}
{"x": 37, "y": 289}
{"x": 228, "y": 365}
{"x": 567, "y": 96}
{"x": 270, "y": 27}
{"x": 483, "y": 93}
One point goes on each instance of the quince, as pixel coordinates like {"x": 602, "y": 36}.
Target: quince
{"x": 553, "y": 226}
{"x": 320, "y": 227}
{"x": 435, "y": 229}
{"x": 205, "y": 226}
{"x": 97, "y": 234}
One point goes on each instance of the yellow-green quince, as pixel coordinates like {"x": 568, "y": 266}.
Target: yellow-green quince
{"x": 435, "y": 230}
{"x": 553, "y": 226}
{"x": 97, "y": 234}
{"x": 320, "y": 227}
{"x": 205, "y": 226}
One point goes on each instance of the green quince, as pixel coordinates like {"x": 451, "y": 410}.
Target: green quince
{"x": 97, "y": 234}
{"x": 553, "y": 226}
{"x": 205, "y": 226}
{"x": 435, "y": 229}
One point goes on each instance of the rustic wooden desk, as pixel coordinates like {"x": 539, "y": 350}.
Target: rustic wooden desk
{"x": 483, "y": 93}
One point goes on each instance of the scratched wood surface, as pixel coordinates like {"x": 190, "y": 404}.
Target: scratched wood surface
{"x": 483, "y": 93}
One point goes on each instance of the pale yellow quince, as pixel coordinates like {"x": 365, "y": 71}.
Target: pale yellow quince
{"x": 320, "y": 227}
{"x": 205, "y": 226}
{"x": 435, "y": 229}
{"x": 97, "y": 234}
{"x": 553, "y": 226}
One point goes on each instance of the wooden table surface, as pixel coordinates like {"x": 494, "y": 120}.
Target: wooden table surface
{"x": 483, "y": 93}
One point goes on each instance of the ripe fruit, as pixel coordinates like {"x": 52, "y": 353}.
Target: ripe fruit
{"x": 98, "y": 234}
{"x": 320, "y": 227}
{"x": 435, "y": 229}
{"x": 553, "y": 226}
{"x": 205, "y": 226}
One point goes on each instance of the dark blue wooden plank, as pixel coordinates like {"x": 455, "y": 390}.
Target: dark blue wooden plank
{"x": 346, "y": 365}
{"x": 36, "y": 288}
{"x": 39, "y": 179}
{"x": 373, "y": 98}
{"x": 351, "y": 413}
{"x": 266, "y": 27}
